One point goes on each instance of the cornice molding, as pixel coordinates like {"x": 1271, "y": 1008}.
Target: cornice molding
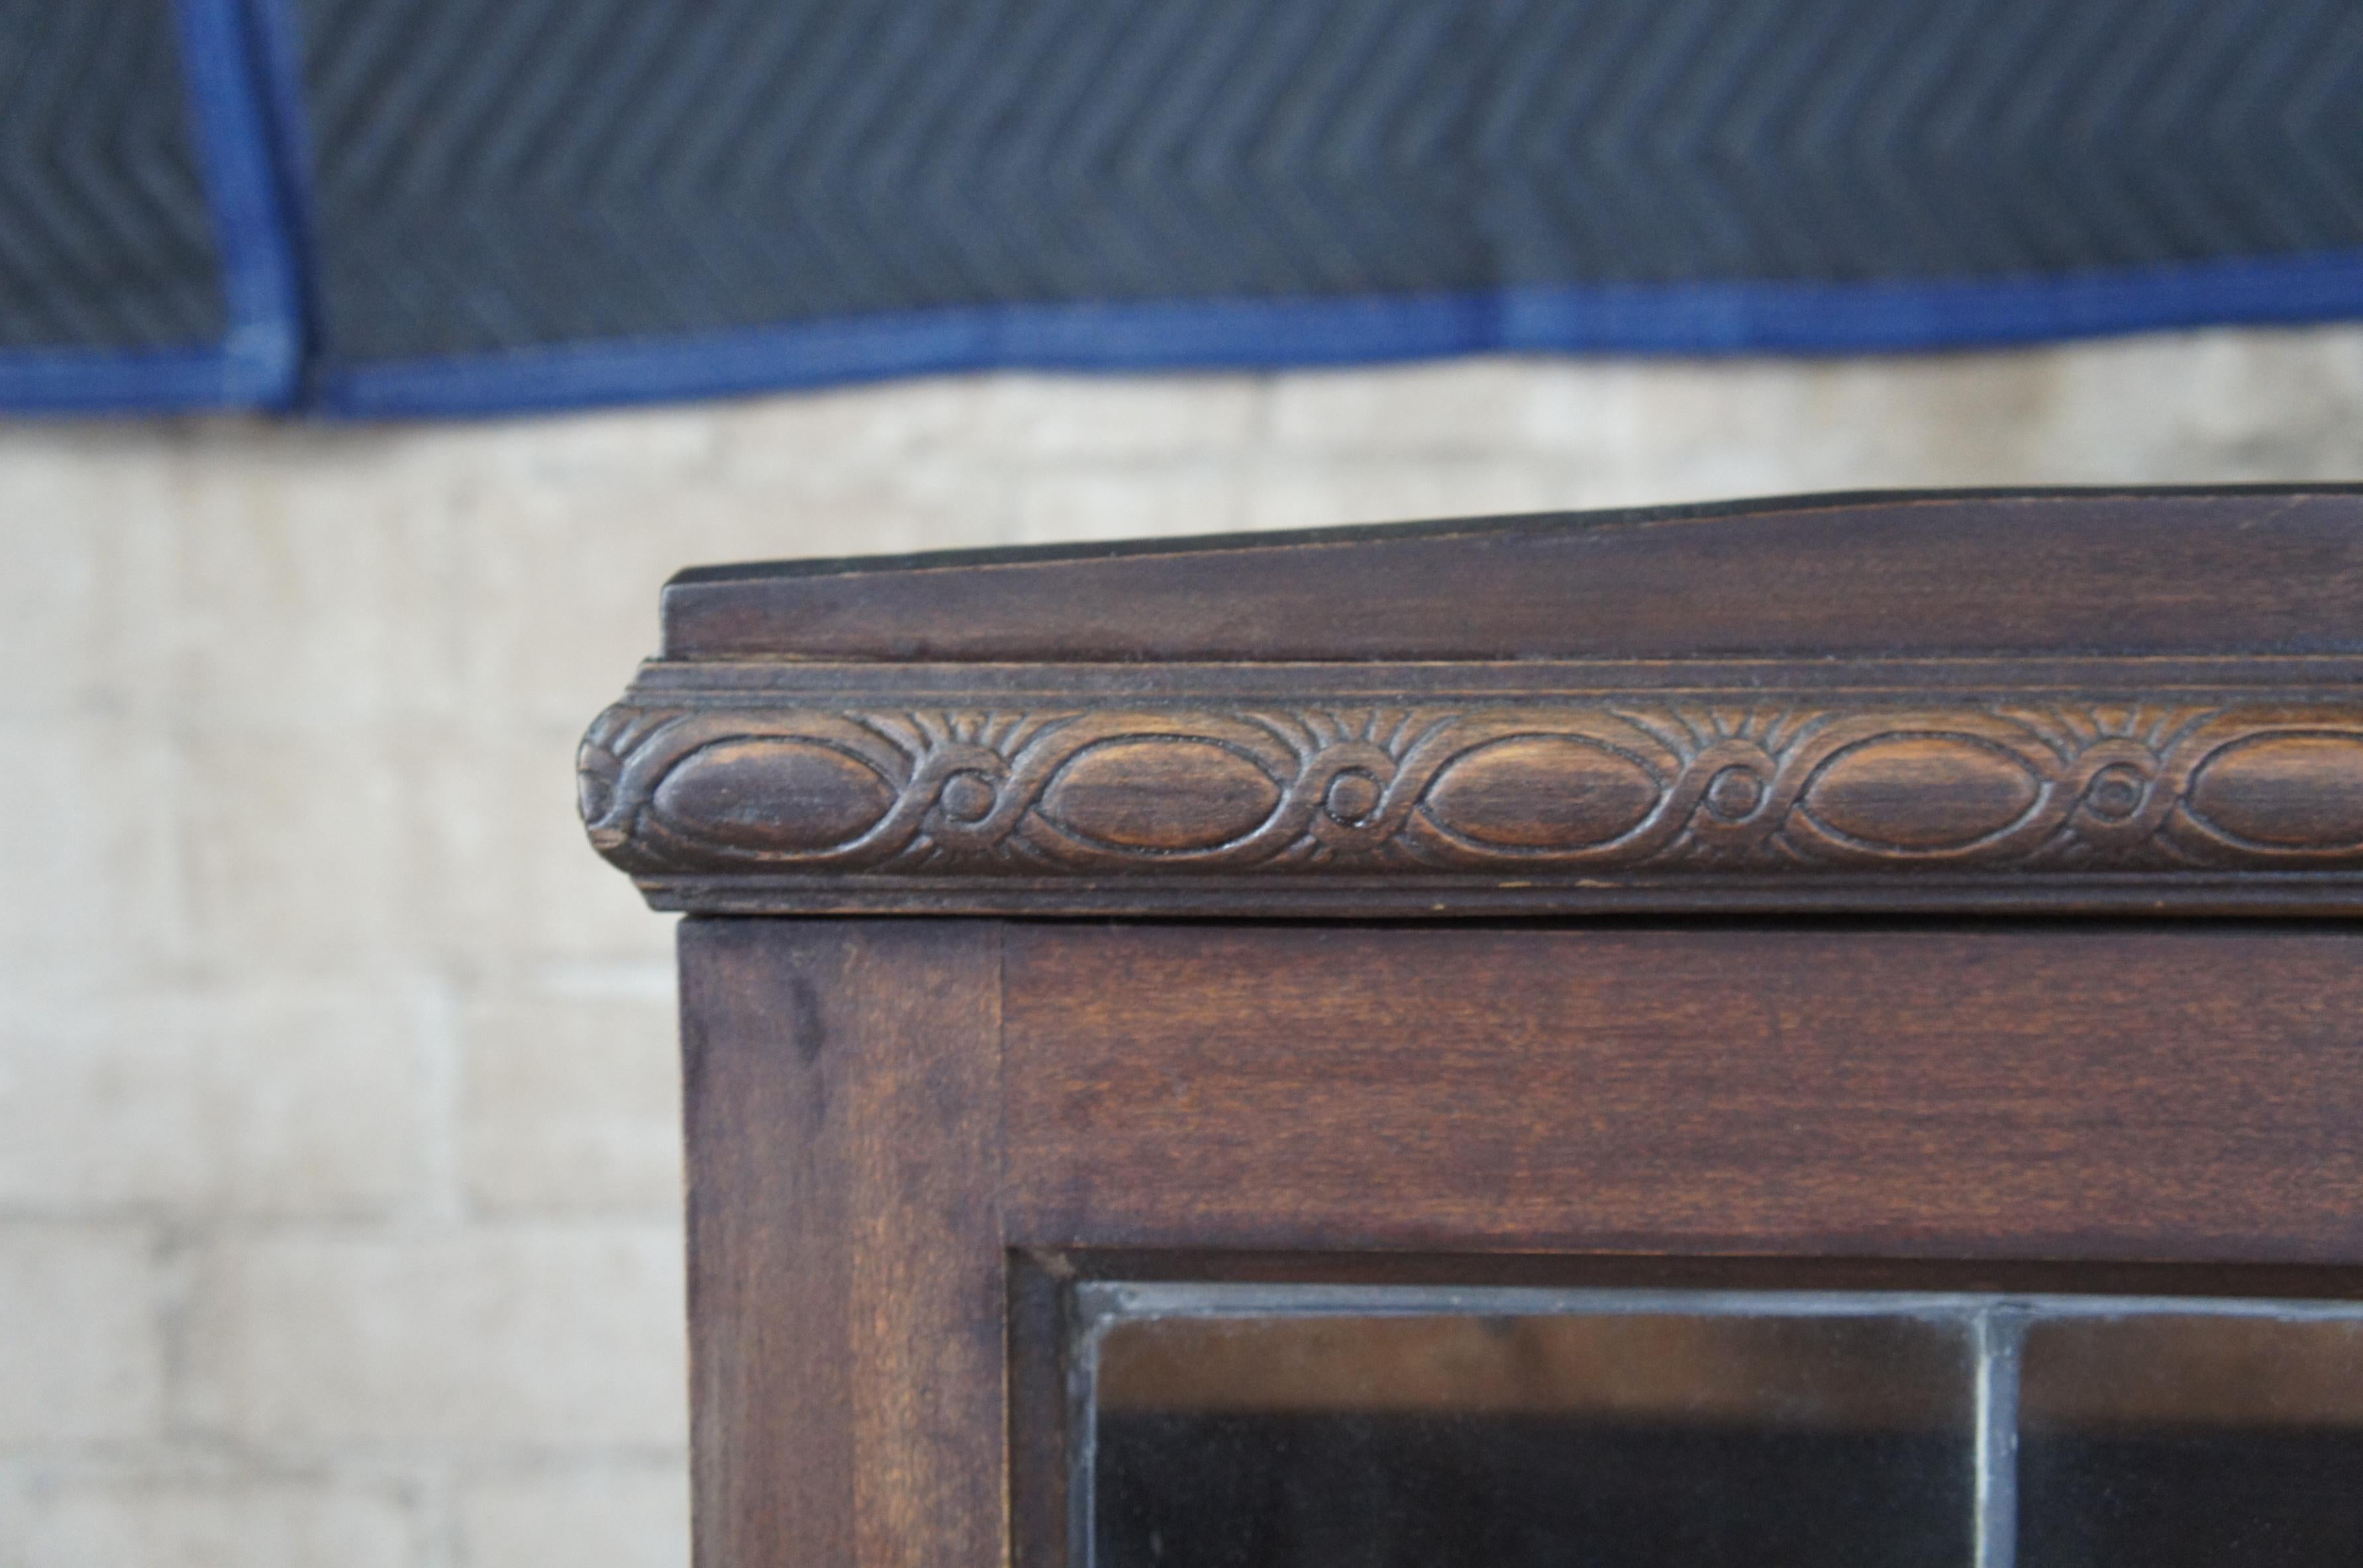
{"x": 784, "y": 788}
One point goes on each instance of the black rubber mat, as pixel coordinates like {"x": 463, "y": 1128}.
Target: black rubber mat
{"x": 495, "y": 175}
{"x": 490, "y": 203}
{"x": 105, "y": 241}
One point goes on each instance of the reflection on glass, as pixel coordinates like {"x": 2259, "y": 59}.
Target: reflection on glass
{"x": 2228, "y": 1442}
{"x": 1603, "y": 1438}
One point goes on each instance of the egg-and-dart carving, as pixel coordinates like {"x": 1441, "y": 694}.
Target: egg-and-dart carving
{"x": 1596, "y": 785}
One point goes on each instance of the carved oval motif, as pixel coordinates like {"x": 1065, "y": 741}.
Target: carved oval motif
{"x": 2117, "y": 793}
{"x": 769, "y": 793}
{"x": 1160, "y": 793}
{"x": 2296, "y": 791}
{"x": 1352, "y": 796}
{"x": 1921, "y": 791}
{"x": 1542, "y": 792}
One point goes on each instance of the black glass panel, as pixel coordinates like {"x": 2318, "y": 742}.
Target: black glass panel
{"x": 2214, "y": 1442}
{"x": 1606, "y": 1439}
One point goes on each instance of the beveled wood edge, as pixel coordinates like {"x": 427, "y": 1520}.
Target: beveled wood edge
{"x": 2143, "y": 785}
{"x": 1482, "y": 525}
{"x": 2042, "y": 573}
{"x": 2316, "y": 896}
{"x": 799, "y": 681}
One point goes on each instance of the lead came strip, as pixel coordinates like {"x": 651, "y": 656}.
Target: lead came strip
{"x": 2001, "y": 1335}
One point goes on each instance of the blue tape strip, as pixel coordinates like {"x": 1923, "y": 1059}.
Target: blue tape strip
{"x": 1704, "y": 318}
{"x": 263, "y": 351}
{"x": 275, "y": 54}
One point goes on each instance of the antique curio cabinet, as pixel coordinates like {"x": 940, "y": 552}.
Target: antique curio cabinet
{"x": 1819, "y": 1032}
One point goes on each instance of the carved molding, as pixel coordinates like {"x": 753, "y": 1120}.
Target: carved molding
{"x": 1748, "y": 785}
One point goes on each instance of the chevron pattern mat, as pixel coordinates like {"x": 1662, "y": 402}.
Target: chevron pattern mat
{"x": 103, "y": 237}
{"x": 483, "y": 205}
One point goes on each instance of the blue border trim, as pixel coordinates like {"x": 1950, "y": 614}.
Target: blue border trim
{"x": 275, "y": 53}
{"x": 113, "y": 381}
{"x": 263, "y": 352}
{"x": 1698, "y": 318}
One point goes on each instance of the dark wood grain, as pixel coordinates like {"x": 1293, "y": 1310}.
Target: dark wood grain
{"x": 2031, "y": 704}
{"x": 1045, "y": 1396}
{"x": 1715, "y": 1271}
{"x": 1963, "y": 573}
{"x": 847, "y": 1285}
{"x": 2188, "y": 1095}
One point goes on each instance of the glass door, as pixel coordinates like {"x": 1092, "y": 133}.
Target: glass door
{"x": 1371, "y": 1427}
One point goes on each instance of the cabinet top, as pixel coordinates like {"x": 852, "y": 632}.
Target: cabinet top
{"x": 2024, "y": 701}
{"x": 1992, "y": 573}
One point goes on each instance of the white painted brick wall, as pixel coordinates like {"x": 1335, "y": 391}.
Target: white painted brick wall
{"x": 196, "y": 1105}
{"x": 82, "y": 1336}
{"x": 609, "y": 1516}
{"x": 474, "y": 1339}
{"x": 338, "y": 1188}
{"x": 143, "y": 1521}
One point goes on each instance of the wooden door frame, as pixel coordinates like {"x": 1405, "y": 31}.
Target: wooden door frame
{"x": 907, "y": 1139}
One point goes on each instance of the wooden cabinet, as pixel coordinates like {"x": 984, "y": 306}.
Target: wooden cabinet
{"x": 1935, "y": 901}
